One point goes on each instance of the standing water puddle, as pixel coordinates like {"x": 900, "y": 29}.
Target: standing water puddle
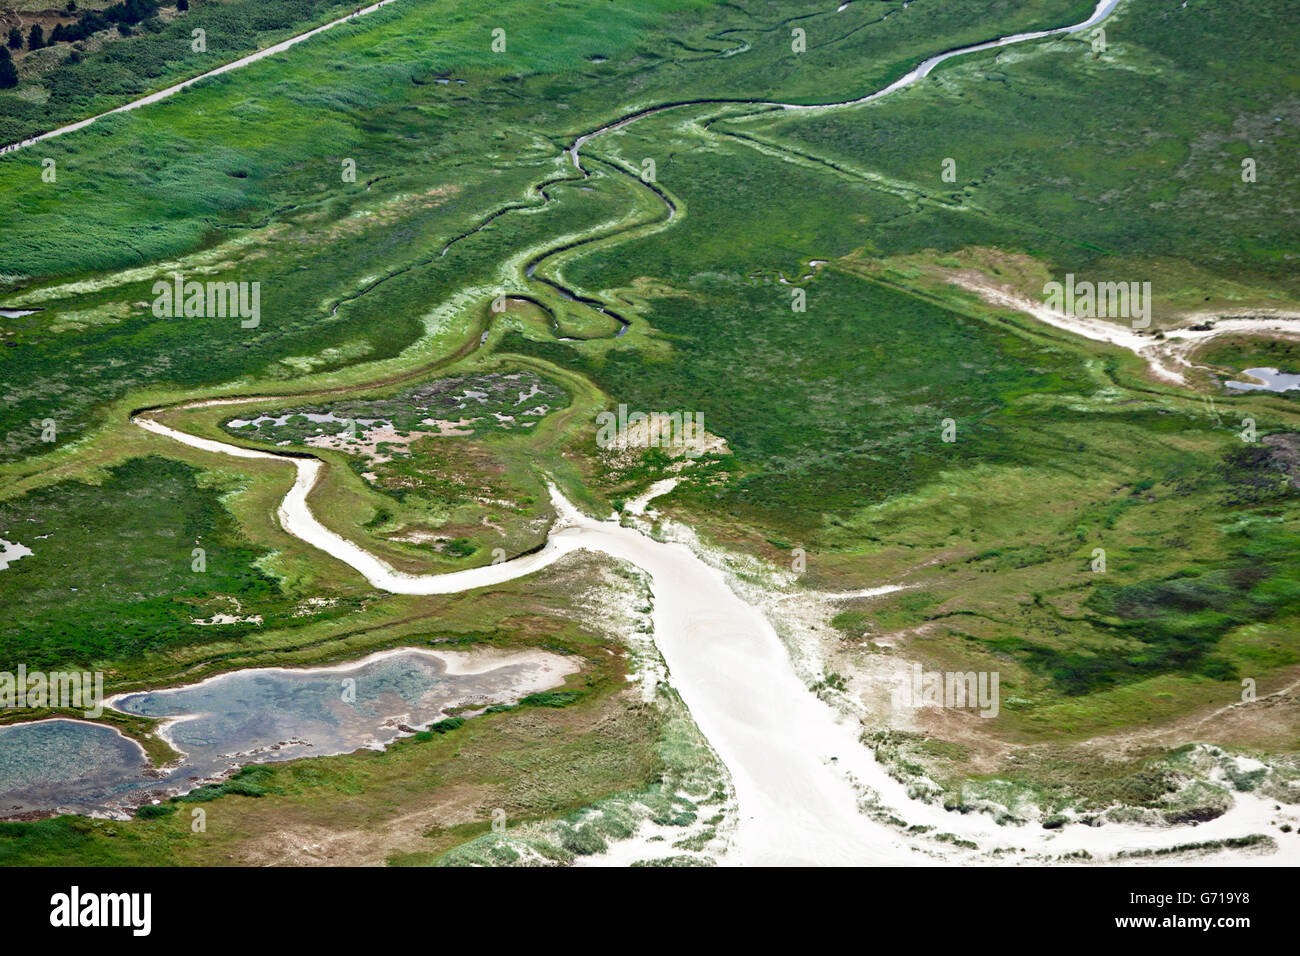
{"x": 257, "y": 716}
{"x": 1270, "y": 380}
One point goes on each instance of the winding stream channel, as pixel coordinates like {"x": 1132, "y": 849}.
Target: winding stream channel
{"x": 801, "y": 777}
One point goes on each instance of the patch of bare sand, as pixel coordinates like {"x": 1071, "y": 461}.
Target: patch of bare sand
{"x": 1167, "y": 356}
{"x": 367, "y": 442}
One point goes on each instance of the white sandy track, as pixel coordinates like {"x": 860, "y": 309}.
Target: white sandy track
{"x": 726, "y": 662}
{"x": 176, "y": 88}
{"x": 1167, "y": 357}
{"x": 296, "y": 518}
{"x": 791, "y": 758}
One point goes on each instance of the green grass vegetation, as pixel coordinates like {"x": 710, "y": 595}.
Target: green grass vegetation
{"x": 122, "y": 551}
{"x": 376, "y": 308}
{"x": 552, "y": 755}
{"x": 1059, "y": 156}
{"x": 91, "y": 73}
{"x": 1234, "y": 354}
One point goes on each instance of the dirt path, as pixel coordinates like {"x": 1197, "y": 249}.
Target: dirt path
{"x": 176, "y": 88}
